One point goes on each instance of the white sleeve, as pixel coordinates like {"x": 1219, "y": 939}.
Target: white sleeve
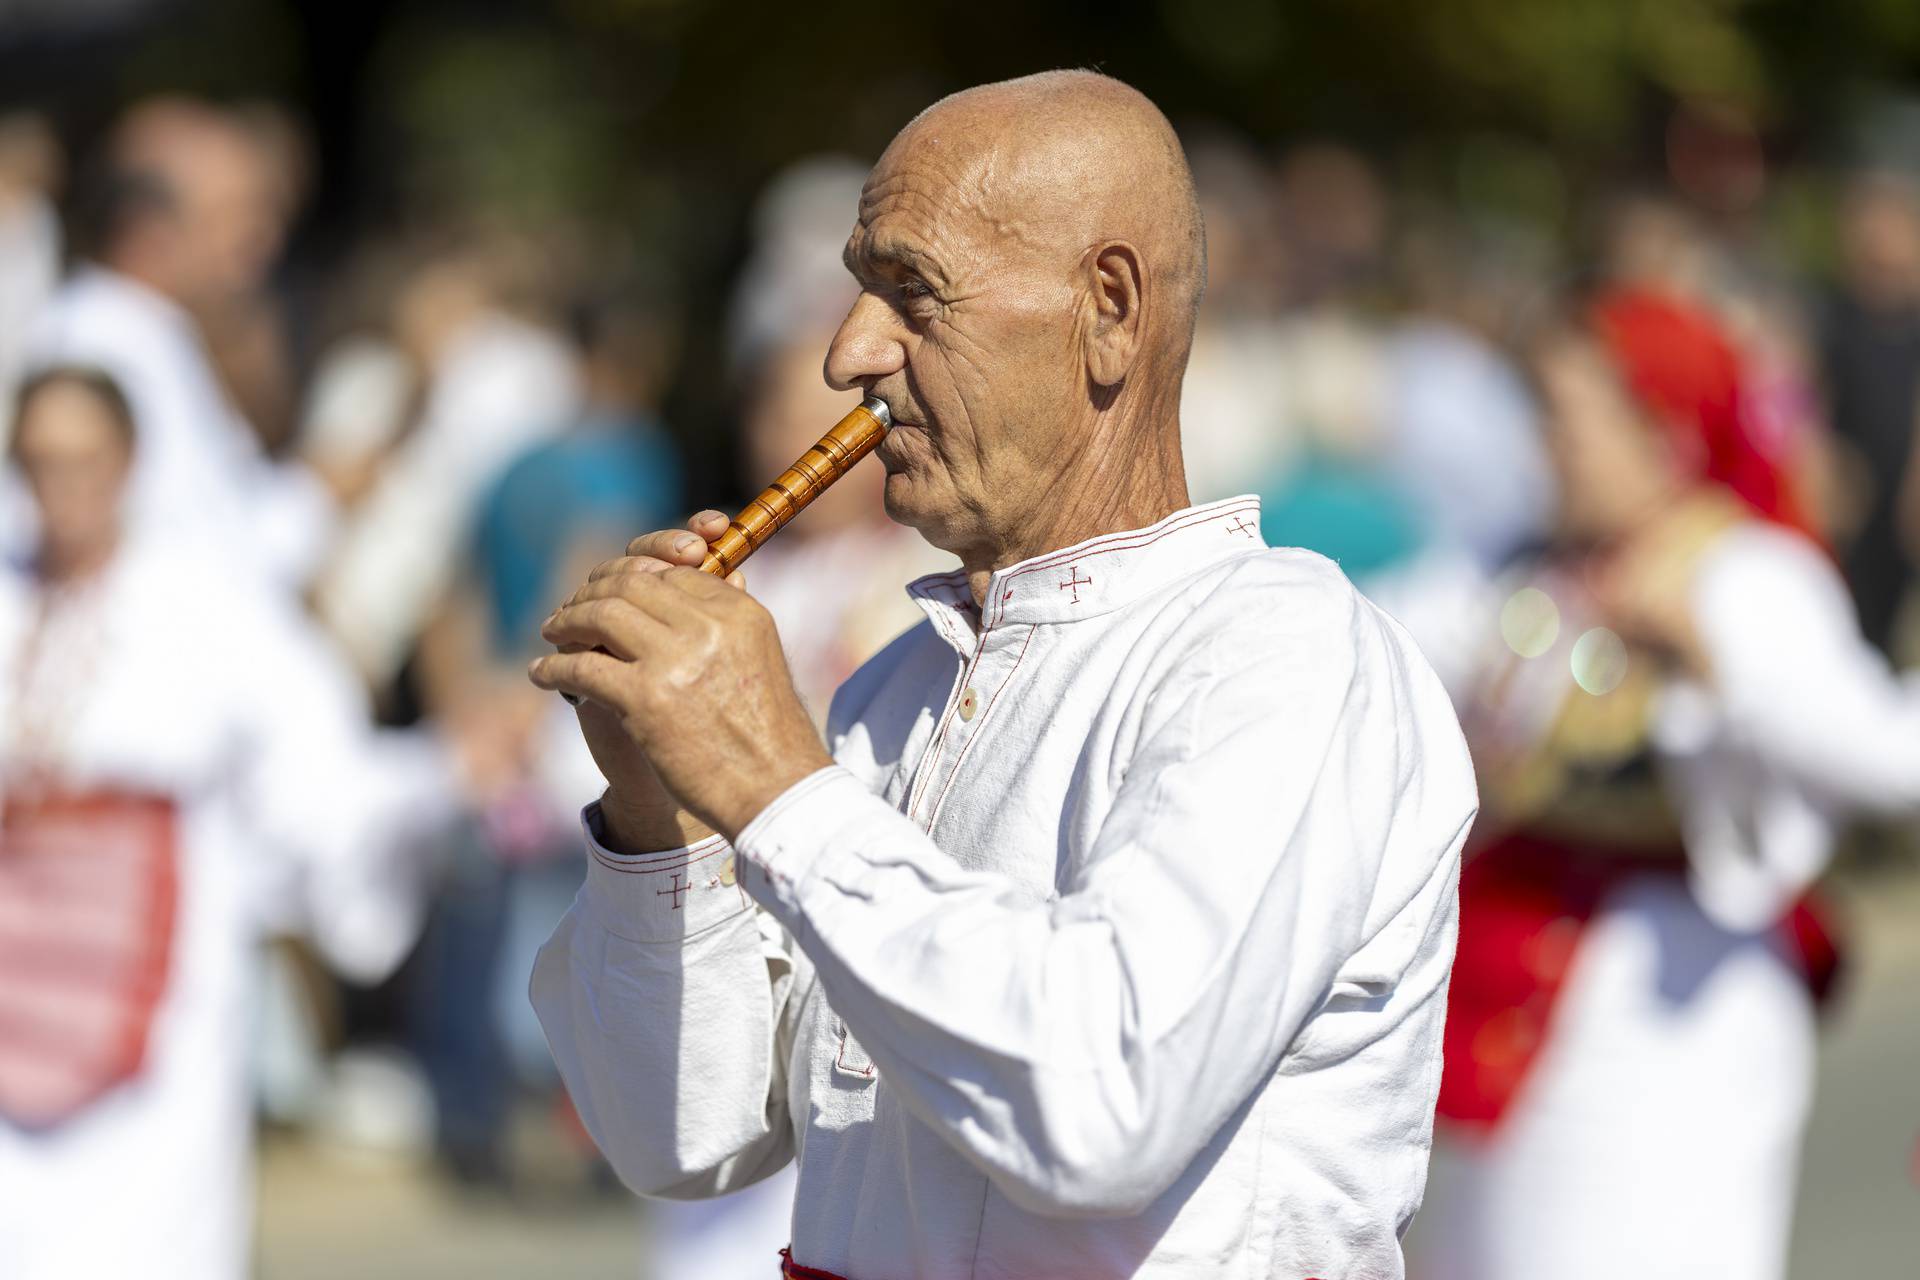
{"x": 1277, "y": 818}
{"x": 669, "y": 1000}
{"x": 343, "y": 810}
{"x": 1796, "y": 684}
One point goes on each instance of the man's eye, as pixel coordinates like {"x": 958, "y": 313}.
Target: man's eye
{"x": 914, "y": 290}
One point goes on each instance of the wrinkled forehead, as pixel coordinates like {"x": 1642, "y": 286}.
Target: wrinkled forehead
{"x": 926, "y": 188}
{"x": 953, "y": 195}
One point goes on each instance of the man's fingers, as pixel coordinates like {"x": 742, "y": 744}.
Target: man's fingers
{"x": 636, "y": 586}
{"x": 611, "y": 623}
{"x": 689, "y": 582}
{"x": 680, "y": 546}
{"x": 660, "y": 595}
{"x": 627, "y": 564}
{"x": 591, "y": 677}
{"x": 672, "y": 546}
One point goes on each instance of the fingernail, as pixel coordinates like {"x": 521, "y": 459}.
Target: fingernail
{"x": 685, "y": 543}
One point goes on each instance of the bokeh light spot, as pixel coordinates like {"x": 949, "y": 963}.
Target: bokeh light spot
{"x": 1530, "y": 622}
{"x": 1599, "y": 661}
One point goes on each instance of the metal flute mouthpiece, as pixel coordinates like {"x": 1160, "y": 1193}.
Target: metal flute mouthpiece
{"x": 851, "y": 439}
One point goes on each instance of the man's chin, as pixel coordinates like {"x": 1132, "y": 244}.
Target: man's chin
{"x": 906, "y": 503}
{"x": 898, "y": 499}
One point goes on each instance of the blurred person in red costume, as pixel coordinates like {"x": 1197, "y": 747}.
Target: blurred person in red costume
{"x": 1681, "y": 708}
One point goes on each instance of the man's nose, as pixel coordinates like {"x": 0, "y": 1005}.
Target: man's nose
{"x": 870, "y": 345}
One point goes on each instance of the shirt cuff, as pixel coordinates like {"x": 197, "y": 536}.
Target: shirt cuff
{"x": 666, "y": 896}
{"x": 806, "y": 823}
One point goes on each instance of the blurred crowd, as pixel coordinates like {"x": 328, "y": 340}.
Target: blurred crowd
{"x": 276, "y": 558}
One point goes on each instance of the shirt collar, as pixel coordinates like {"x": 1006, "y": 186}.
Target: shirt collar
{"x": 1096, "y": 576}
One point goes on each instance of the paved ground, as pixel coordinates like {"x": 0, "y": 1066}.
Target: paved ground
{"x": 1859, "y": 1211}
{"x": 328, "y": 1216}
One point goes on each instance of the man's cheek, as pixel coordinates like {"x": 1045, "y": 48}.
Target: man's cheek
{"x": 956, "y": 367}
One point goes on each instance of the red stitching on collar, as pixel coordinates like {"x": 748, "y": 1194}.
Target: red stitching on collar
{"x": 1176, "y": 524}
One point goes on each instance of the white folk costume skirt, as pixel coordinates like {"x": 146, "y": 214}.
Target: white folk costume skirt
{"x": 1658, "y": 1133}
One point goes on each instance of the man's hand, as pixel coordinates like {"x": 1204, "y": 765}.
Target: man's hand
{"x": 640, "y": 815}
{"x": 685, "y": 694}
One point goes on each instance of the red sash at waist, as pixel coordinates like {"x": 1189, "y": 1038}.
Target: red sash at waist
{"x": 793, "y": 1270}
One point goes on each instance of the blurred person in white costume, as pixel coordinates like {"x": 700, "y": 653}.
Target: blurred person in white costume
{"x": 182, "y": 212}
{"x": 495, "y": 382}
{"x": 30, "y": 245}
{"x": 184, "y": 768}
{"x": 30, "y": 170}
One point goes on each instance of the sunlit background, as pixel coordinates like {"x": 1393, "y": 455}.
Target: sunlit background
{"x": 461, "y": 295}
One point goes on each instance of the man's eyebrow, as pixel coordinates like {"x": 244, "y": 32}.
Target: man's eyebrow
{"x": 884, "y": 251}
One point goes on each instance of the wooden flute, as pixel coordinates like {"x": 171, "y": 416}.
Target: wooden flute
{"x": 832, "y": 456}
{"x": 851, "y": 439}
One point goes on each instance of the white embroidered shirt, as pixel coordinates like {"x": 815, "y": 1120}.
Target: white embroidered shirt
{"x": 1115, "y": 943}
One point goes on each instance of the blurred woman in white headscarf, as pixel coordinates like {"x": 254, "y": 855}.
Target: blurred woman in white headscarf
{"x": 184, "y": 768}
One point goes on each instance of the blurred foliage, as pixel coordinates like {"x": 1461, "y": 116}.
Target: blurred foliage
{"x": 642, "y": 128}
{"x": 513, "y": 122}
{"x": 620, "y": 109}
{"x": 718, "y": 93}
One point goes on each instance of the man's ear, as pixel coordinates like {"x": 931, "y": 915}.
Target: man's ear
{"x": 1118, "y": 282}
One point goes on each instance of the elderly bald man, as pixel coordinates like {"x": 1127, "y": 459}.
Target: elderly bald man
{"x": 1108, "y": 933}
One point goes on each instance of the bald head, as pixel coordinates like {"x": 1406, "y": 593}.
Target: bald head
{"x": 1068, "y": 158}
{"x": 1031, "y": 258}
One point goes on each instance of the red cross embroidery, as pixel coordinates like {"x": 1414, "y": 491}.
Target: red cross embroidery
{"x": 1242, "y": 527}
{"x": 678, "y": 891}
{"x": 1075, "y": 582}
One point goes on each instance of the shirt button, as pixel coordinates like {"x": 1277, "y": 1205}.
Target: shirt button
{"x": 969, "y": 703}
